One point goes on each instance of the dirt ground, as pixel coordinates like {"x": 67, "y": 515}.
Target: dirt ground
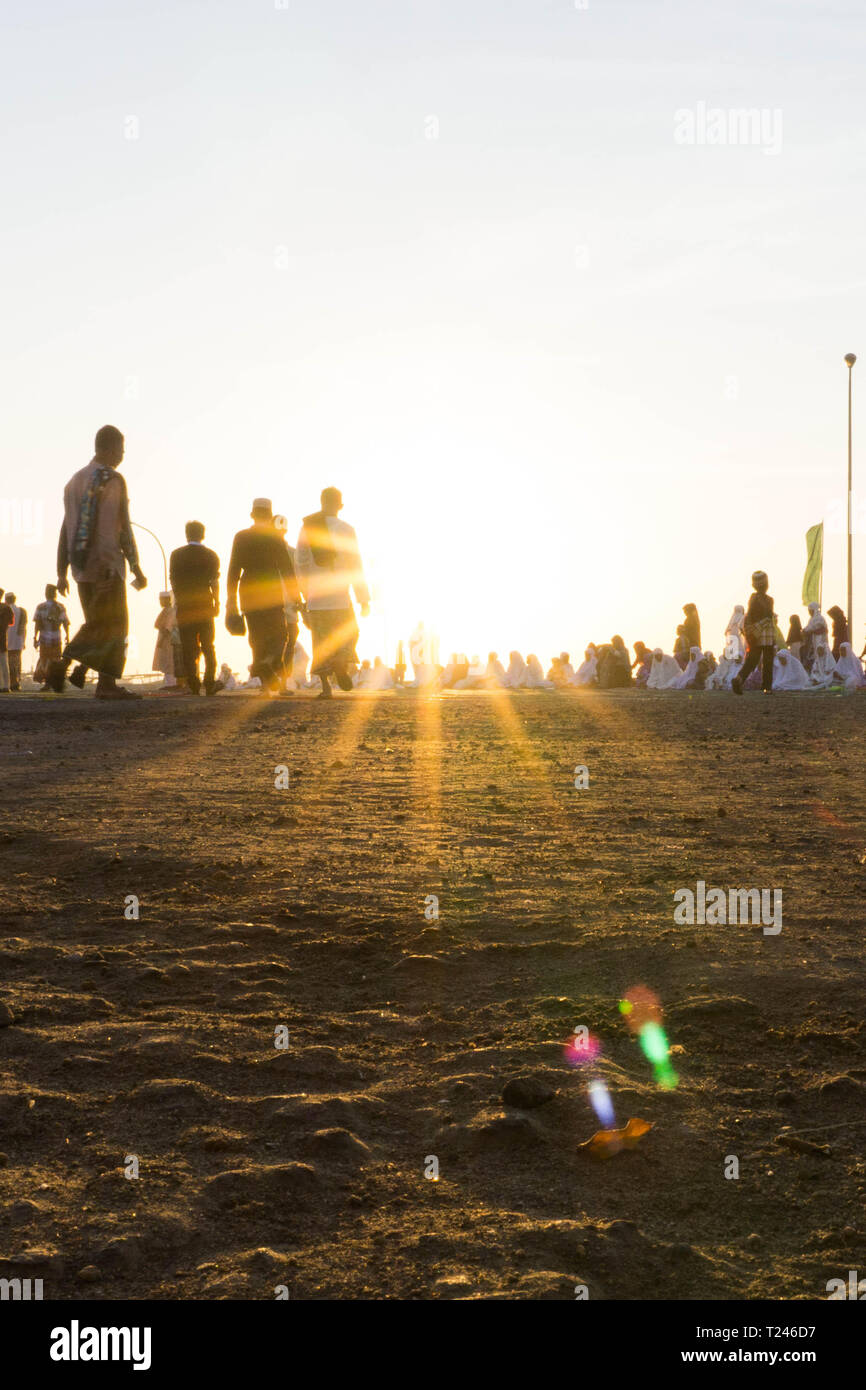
{"x": 304, "y": 908}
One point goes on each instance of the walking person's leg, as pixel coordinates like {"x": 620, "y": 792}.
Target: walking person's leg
{"x": 4, "y": 672}
{"x": 753, "y": 656}
{"x": 189, "y": 647}
{"x": 769, "y": 654}
{"x": 15, "y": 670}
{"x": 206, "y": 642}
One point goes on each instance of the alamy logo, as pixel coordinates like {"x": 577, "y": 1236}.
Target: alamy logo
{"x": 76, "y": 1343}
{"x": 855, "y": 1288}
{"x": 733, "y": 125}
{"x": 19, "y": 1290}
{"x": 716, "y": 908}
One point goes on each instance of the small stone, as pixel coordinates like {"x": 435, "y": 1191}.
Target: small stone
{"x": 526, "y": 1092}
{"x": 754, "y": 1241}
{"x": 6, "y": 1016}
{"x": 88, "y": 1275}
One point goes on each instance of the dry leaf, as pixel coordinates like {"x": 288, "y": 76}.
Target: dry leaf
{"x": 607, "y": 1142}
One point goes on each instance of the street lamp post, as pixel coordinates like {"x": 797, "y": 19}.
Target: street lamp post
{"x": 850, "y": 359}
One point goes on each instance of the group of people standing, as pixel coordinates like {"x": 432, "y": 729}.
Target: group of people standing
{"x": 269, "y": 587}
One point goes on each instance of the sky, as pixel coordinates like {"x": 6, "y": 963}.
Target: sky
{"x": 565, "y": 330}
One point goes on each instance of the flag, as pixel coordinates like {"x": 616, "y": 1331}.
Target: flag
{"x": 814, "y": 563}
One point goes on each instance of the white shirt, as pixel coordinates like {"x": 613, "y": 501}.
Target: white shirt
{"x": 329, "y": 588}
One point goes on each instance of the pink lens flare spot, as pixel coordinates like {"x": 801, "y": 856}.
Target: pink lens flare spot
{"x": 581, "y": 1047}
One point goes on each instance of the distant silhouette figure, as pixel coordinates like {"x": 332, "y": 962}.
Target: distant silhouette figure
{"x": 760, "y": 635}
{"x": 195, "y": 573}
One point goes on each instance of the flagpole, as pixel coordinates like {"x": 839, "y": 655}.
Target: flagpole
{"x": 850, "y": 359}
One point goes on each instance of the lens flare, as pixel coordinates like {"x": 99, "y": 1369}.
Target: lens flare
{"x": 642, "y": 1011}
{"x": 599, "y": 1099}
{"x": 581, "y": 1047}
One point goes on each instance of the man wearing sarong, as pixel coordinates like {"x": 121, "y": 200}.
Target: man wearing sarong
{"x": 760, "y": 636}
{"x": 96, "y": 542}
{"x": 48, "y": 619}
{"x": 328, "y": 563}
{"x": 262, "y": 573}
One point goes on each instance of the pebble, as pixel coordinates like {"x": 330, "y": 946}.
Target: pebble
{"x": 88, "y": 1275}
{"x": 526, "y": 1092}
{"x": 6, "y": 1016}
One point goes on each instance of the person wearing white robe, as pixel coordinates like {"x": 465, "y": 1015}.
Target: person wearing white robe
{"x": 534, "y": 678}
{"x": 814, "y": 632}
{"x": 364, "y": 677}
{"x": 823, "y": 666}
{"x": 515, "y": 675}
{"x": 228, "y": 677}
{"x": 494, "y": 674}
{"x": 735, "y": 642}
{"x": 380, "y": 676}
{"x": 588, "y": 669}
{"x": 789, "y": 673}
{"x": 727, "y": 669}
{"x": 689, "y": 673}
{"x": 664, "y": 672}
{"x": 849, "y": 668}
{"x": 566, "y": 670}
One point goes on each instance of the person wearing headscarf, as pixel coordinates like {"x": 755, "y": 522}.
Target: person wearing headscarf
{"x": 515, "y": 676}
{"x": 795, "y": 636}
{"x": 692, "y": 625}
{"x": 664, "y": 671}
{"x": 823, "y": 672}
{"x": 587, "y": 671}
{"x": 788, "y": 672}
{"x": 813, "y": 632}
{"x": 840, "y": 629}
{"x": 849, "y": 668}
{"x": 690, "y": 671}
{"x": 778, "y": 636}
{"x": 643, "y": 659}
{"x": 614, "y": 667}
{"x": 561, "y": 671}
{"x": 760, "y": 636}
{"x": 163, "y": 654}
{"x": 703, "y": 672}
{"x": 727, "y": 668}
{"x": 735, "y": 642}
{"x": 534, "y": 678}
{"x": 681, "y": 648}
{"x": 494, "y": 674}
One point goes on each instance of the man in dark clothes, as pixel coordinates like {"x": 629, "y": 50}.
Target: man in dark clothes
{"x": 194, "y": 572}
{"x": 261, "y": 565}
{"x": 760, "y": 636}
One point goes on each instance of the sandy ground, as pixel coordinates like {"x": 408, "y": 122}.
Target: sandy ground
{"x": 304, "y": 908}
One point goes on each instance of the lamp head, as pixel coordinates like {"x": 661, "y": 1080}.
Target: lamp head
{"x": 850, "y": 359}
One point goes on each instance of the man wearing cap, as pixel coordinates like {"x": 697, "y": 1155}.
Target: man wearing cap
{"x": 262, "y": 573}
{"x": 329, "y": 565}
{"x": 760, "y": 636}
